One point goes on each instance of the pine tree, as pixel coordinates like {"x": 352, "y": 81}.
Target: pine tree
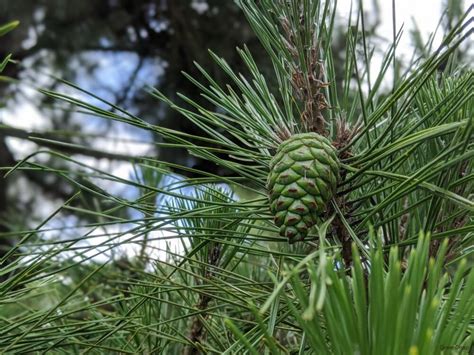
{"x": 379, "y": 265}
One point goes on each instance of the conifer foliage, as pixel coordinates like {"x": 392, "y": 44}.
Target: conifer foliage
{"x": 374, "y": 183}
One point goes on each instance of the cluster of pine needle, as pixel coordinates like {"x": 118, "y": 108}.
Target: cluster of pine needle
{"x": 375, "y": 185}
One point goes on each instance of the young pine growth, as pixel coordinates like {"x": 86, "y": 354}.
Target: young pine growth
{"x": 303, "y": 178}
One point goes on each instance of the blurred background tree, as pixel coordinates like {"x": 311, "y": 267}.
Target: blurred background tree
{"x": 113, "y": 48}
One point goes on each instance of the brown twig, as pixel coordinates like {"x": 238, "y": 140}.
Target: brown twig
{"x": 344, "y": 134}
{"x": 196, "y": 333}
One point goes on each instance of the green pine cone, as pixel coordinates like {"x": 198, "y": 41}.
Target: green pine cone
{"x": 303, "y": 178}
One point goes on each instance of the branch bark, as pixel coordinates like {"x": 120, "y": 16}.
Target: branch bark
{"x": 53, "y": 141}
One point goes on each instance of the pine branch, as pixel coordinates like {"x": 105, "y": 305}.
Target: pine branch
{"x": 54, "y": 141}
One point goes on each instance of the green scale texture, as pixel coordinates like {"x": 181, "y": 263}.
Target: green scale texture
{"x": 303, "y": 178}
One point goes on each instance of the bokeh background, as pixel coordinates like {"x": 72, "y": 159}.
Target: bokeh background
{"x": 116, "y": 49}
